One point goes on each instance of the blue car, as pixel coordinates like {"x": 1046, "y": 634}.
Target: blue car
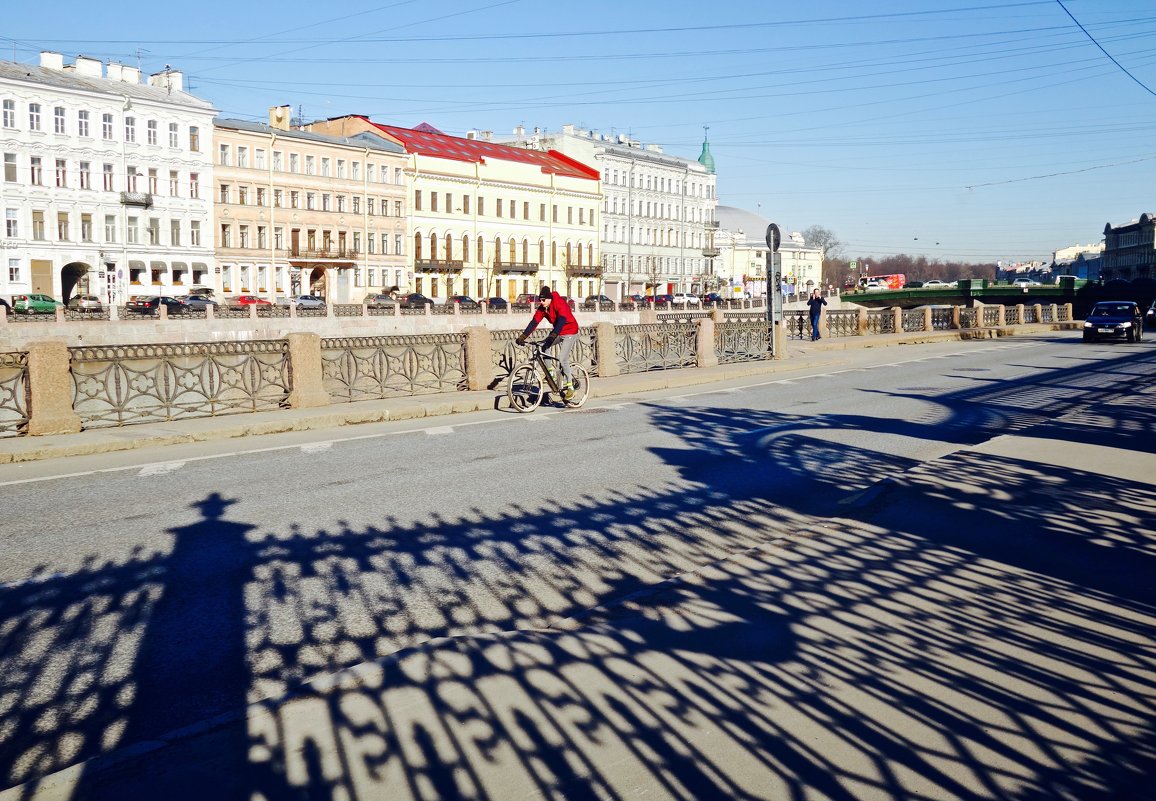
{"x": 1114, "y": 319}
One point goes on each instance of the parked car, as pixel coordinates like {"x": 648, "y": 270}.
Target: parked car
{"x": 1114, "y": 319}
{"x": 529, "y": 298}
{"x": 464, "y": 301}
{"x": 145, "y": 304}
{"x": 34, "y": 304}
{"x": 307, "y": 302}
{"x": 599, "y": 301}
{"x": 197, "y": 301}
{"x": 1150, "y": 315}
{"x": 380, "y": 301}
{"x": 496, "y": 303}
{"x": 414, "y": 300}
{"x": 1025, "y": 282}
{"x": 875, "y": 286}
{"x": 638, "y": 300}
{"x": 662, "y": 300}
{"x": 85, "y": 303}
{"x": 683, "y": 299}
{"x": 247, "y": 300}
{"x": 713, "y": 297}
{"x": 5, "y": 305}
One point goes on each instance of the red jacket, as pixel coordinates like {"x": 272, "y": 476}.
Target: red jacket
{"x": 559, "y": 314}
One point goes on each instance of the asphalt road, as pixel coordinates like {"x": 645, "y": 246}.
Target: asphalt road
{"x": 773, "y": 561}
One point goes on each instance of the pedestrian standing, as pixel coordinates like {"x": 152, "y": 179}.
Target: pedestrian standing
{"x": 815, "y": 304}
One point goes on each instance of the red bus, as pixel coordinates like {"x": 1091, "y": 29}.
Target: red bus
{"x": 895, "y": 281}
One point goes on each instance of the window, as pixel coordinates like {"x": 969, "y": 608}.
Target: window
{"x": 38, "y": 225}
{"x": 224, "y": 193}
{"x": 262, "y": 237}
{"x": 294, "y": 199}
{"x": 130, "y": 235}
{"x": 109, "y": 228}
{"x": 194, "y": 185}
{"x": 152, "y": 180}
{"x": 369, "y": 206}
{"x": 259, "y": 158}
{"x": 325, "y": 202}
{"x": 37, "y": 173}
{"x": 310, "y": 165}
{"x": 277, "y": 196}
{"x": 108, "y": 178}
{"x": 174, "y": 137}
{"x": 106, "y": 126}
{"x": 14, "y": 270}
{"x": 341, "y": 168}
{"x": 61, "y": 173}
{"x": 356, "y": 175}
{"x": 433, "y": 201}
{"x": 58, "y": 124}
{"x": 311, "y": 201}
{"x": 85, "y": 175}
{"x": 260, "y": 196}
{"x": 151, "y": 132}
{"x": 498, "y": 204}
{"x": 542, "y": 212}
{"x": 174, "y": 183}
{"x": 34, "y": 116}
{"x": 357, "y": 204}
{"x": 242, "y": 156}
{"x": 130, "y": 129}
{"x": 294, "y": 163}
{"x": 325, "y": 166}
{"x": 195, "y": 232}
{"x": 9, "y": 118}
{"x": 226, "y": 240}
{"x": 397, "y": 207}
{"x": 417, "y": 200}
{"x": 9, "y": 167}
{"x": 465, "y": 204}
{"x": 369, "y": 174}
{"x": 154, "y": 231}
{"x": 242, "y": 195}
{"x": 223, "y": 155}
{"x": 174, "y": 232}
{"x": 397, "y": 240}
{"x": 243, "y": 236}
{"x": 194, "y": 139}
{"x": 341, "y": 202}
{"x": 279, "y": 238}
{"x": 481, "y": 207}
{"x": 277, "y": 163}
{"x": 396, "y": 174}
{"x": 62, "y": 226}
{"x": 11, "y": 223}
{"x": 526, "y": 210}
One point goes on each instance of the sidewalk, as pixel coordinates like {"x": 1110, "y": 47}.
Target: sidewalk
{"x": 800, "y": 355}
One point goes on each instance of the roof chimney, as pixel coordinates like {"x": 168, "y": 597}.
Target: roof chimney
{"x": 50, "y": 60}
{"x": 114, "y": 71}
{"x": 173, "y": 80}
{"x": 279, "y": 117}
{"x": 90, "y": 67}
{"x": 130, "y": 74}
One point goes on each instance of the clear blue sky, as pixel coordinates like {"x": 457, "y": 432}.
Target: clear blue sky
{"x": 954, "y": 129}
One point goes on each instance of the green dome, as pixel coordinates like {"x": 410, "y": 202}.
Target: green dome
{"x": 705, "y": 158}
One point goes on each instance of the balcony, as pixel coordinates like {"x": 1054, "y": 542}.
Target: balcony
{"x": 710, "y": 252}
{"x": 324, "y": 254}
{"x": 585, "y": 271}
{"x": 711, "y": 225}
{"x": 142, "y": 199}
{"x": 523, "y": 268}
{"x": 436, "y": 266}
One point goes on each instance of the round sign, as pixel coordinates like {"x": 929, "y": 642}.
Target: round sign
{"x": 774, "y": 237}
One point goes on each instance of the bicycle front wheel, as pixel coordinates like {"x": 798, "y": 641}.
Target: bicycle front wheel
{"x": 524, "y": 388}
{"x": 581, "y": 385}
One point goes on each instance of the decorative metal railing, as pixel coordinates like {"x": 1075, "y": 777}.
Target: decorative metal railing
{"x": 842, "y": 323}
{"x": 76, "y": 314}
{"x": 744, "y": 341}
{"x": 655, "y": 346}
{"x": 880, "y": 321}
{"x": 1047, "y": 313}
{"x": 505, "y": 354}
{"x": 912, "y": 320}
{"x": 129, "y": 384}
{"x": 364, "y": 368}
{"x": 990, "y": 316}
{"x": 13, "y": 393}
{"x": 797, "y": 323}
{"x": 969, "y": 318}
{"x": 1030, "y": 314}
{"x": 942, "y": 319}
{"x": 1062, "y": 315}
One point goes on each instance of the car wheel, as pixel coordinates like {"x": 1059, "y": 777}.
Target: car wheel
{"x": 1131, "y": 336}
{"x": 1088, "y": 338}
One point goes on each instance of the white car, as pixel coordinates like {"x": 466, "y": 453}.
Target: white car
{"x": 685, "y": 300}
{"x": 1025, "y": 282}
{"x": 935, "y": 282}
{"x": 875, "y": 286}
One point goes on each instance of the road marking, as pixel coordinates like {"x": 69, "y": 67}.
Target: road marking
{"x": 316, "y": 447}
{"x": 439, "y": 431}
{"x": 164, "y": 468}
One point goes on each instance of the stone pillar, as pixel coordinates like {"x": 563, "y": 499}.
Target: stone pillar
{"x": 308, "y": 389}
{"x": 252, "y": 311}
{"x": 4, "y": 314}
{"x": 60, "y": 314}
{"x": 863, "y": 322}
{"x": 928, "y": 323}
{"x": 718, "y": 315}
{"x": 897, "y": 319}
{"x": 704, "y": 352}
{"x": 479, "y": 364}
{"x": 50, "y": 387}
{"x": 956, "y": 317}
{"x": 1019, "y": 320}
{"x": 162, "y": 311}
{"x": 292, "y": 311}
{"x": 1068, "y": 312}
{"x": 1001, "y": 316}
{"x": 779, "y": 339}
{"x": 647, "y": 314}
{"x": 605, "y": 350}
{"x": 1039, "y": 312}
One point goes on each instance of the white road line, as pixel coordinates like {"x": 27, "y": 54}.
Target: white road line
{"x": 161, "y": 469}
{"x": 316, "y": 447}
{"x": 439, "y": 431}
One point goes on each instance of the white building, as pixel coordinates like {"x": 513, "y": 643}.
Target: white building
{"x": 743, "y": 254}
{"x": 106, "y": 181}
{"x": 658, "y": 218}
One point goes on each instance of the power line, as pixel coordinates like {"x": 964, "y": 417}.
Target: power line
{"x": 1105, "y": 52}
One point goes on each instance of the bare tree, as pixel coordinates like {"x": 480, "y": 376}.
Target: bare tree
{"x": 824, "y": 238}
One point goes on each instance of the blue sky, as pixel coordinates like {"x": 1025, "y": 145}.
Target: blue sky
{"x": 955, "y": 129}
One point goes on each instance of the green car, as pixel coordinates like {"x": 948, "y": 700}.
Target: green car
{"x": 34, "y": 304}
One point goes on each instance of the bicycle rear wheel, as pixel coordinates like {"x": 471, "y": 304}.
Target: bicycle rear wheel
{"x": 581, "y": 385}
{"x": 524, "y": 388}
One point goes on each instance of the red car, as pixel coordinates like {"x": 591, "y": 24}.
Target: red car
{"x": 249, "y": 300}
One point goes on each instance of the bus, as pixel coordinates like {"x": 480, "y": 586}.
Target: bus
{"x": 894, "y": 281}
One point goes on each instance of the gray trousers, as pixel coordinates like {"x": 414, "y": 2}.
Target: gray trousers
{"x": 565, "y": 345}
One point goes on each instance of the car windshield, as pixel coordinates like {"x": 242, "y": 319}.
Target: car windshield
{"x": 1112, "y": 309}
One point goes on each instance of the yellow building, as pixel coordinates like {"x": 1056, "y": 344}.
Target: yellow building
{"x": 298, "y": 212}
{"x": 491, "y": 220}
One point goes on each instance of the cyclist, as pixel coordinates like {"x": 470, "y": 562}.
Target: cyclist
{"x": 553, "y": 307}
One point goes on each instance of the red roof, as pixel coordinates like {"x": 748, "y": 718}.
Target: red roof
{"x": 426, "y": 140}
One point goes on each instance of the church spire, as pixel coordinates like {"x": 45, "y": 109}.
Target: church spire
{"x": 705, "y": 158}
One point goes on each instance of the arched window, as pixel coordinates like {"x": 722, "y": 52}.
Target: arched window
{"x": 525, "y": 251}
{"x": 497, "y": 250}
{"x": 417, "y": 247}
{"x": 465, "y": 248}
{"x": 513, "y": 250}
{"x": 568, "y": 261}
{"x": 449, "y": 248}
{"x": 481, "y": 252}
{"x": 579, "y": 254}
{"x": 433, "y": 247}
{"x": 541, "y": 252}
{"x": 553, "y": 254}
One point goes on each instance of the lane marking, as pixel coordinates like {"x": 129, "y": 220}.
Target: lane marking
{"x": 161, "y": 469}
{"x": 316, "y": 447}
{"x": 439, "y": 431}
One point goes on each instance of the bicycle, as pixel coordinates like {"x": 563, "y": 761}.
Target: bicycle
{"x": 530, "y": 381}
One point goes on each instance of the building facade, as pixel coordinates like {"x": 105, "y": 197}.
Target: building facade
{"x": 658, "y": 221}
{"x": 744, "y": 257}
{"x": 1130, "y": 249}
{"x": 298, "y": 212}
{"x": 490, "y": 220}
{"x": 105, "y": 179}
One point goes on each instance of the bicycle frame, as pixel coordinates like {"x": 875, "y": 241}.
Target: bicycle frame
{"x": 553, "y": 376}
